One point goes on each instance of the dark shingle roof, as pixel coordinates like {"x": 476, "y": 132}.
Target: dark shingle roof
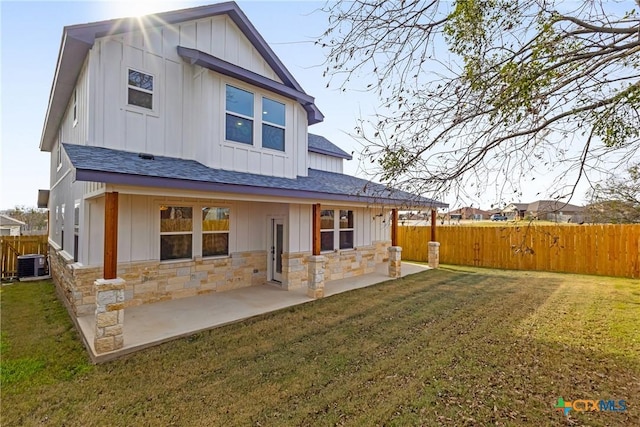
{"x": 121, "y": 167}
{"x": 553, "y": 206}
{"x": 321, "y": 145}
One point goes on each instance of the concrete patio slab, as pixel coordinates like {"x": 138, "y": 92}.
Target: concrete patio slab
{"x": 152, "y": 324}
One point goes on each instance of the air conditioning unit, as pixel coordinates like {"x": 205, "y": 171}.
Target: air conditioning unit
{"x": 31, "y": 266}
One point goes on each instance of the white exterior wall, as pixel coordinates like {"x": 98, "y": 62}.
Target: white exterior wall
{"x": 368, "y": 226}
{"x": 63, "y": 193}
{"x": 300, "y": 238}
{"x": 250, "y": 226}
{"x": 187, "y": 119}
{"x": 139, "y": 226}
{"x": 75, "y": 131}
{"x": 325, "y": 163}
{"x": 208, "y": 130}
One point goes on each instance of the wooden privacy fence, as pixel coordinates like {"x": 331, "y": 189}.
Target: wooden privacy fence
{"x": 602, "y": 249}
{"x": 13, "y": 246}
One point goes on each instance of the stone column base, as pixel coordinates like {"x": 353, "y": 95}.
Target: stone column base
{"x": 395, "y": 261}
{"x": 109, "y": 315}
{"x": 315, "y": 287}
{"x": 434, "y": 254}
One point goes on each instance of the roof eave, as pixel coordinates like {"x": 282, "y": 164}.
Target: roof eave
{"x": 203, "y": 59}
{"x": 182, "y": 184}
{"x": 330, "y": 153}
{"x": 70, "y": 59}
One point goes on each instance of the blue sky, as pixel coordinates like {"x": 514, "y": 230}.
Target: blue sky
{"x": 30, "y": 40}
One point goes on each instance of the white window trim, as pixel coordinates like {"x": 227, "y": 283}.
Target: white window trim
{"x": 62, "y": 221}
{"x": 352, "y": 229}
{"x": 154, "y": 93}
{"x": 176, "y": 233}
{"x": 332, "y": 230}
{"x": 257, "y": 119}
{"x": 242, "y": 116}
{"x": 196, "y": 228}
{"x": 59, "y": 157}
{"x": 275, "y": 125}
{"x": 227, "y": 232}
{"x": 336, "y": 230}
{"x": 74, "y": 107}
{"x": 76, "y": 229}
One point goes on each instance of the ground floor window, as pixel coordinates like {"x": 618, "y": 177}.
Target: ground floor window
{"x": 346, "y": 229}
{"x": 182, "y": 236}
{"x": 62, "y": 227}
{"x": 336, "y": 229}
{"x": 76, "y": 230}
{"x": 215, "y": 231}
{"x": 176, "y": 232}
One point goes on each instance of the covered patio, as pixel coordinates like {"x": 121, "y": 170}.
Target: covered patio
{"x": 152, "y": 324}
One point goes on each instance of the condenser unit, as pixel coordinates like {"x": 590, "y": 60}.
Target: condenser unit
{"x": 31, "y": 266}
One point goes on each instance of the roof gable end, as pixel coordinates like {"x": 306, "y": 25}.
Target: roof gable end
{"x": 77, "y": 40}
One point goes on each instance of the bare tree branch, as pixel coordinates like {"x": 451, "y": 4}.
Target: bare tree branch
{"x": 483, "y": 94}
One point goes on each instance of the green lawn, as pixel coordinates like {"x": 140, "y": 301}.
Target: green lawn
{"x": 456, "y": 346}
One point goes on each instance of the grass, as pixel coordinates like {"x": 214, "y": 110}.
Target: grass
{"x": 456, "y": 346}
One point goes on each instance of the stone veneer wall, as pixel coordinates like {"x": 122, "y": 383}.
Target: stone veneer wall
{"x": 153, "y": 281}
{"x": 74, "y": 283}
{"x": 356, "y": 262}
{"x": 338, "y": 265}
{"x": 295, "y": 270}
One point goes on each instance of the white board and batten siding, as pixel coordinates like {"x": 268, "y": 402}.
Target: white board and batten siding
{"x": 187, "y": 118}
{"x": 250, "y": 226}
{"x": 139, "y": 226}
{"x": 325, "y": 163}
{"x": 369, "y": 226}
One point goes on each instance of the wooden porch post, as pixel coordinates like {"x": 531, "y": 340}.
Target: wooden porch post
{"x": 110, "y": 235}
{"x": 394, "y": 227}
{"x": 433, "y": 225}
{"x": 316, "y": 229}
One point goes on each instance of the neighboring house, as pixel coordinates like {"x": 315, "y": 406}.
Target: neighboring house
{"x": 10, "y": 226}
{"x": 553, "y": 210}
{"x": 515, "y": 211}
{"x": 469, "y": 213}
{"x": 549, "y": 210}
{"x": 182, "y": 163}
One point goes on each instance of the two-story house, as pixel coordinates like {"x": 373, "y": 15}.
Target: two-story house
{"x": 182, "y": 164}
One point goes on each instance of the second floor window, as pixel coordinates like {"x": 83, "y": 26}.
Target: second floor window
{"x": 239, "y": 116}
{"x": 140, "y": 89}
{"x": 273, "y": 124}
{"x": 250, "y": 117}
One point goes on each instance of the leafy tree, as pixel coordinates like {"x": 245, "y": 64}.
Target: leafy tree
{"x": 480, "y": 93}
{"x": 35, "y": 219}
{"x": 617, "y": 199}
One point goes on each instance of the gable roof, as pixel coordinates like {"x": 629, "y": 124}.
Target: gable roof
{"x": 321, "y": 145}
{"x": 553, "y": 206}
{"x": 468, "y": 210}
{"x": 8, "y": 221}
{"x": 121, "y": 167}
{"x": 77, "y": 40}
{"x": 518, "y": 206}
